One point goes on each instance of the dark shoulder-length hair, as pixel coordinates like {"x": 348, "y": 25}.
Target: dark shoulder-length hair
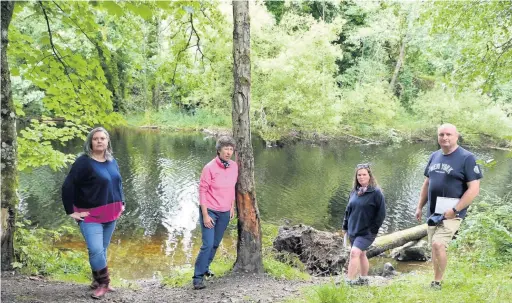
{"x": 88, "y": 144}
{"x": 373, "y": 181}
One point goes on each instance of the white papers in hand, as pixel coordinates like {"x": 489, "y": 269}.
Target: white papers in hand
{"x": 443, "y": 204}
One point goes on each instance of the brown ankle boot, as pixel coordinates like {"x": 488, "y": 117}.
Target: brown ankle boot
{"x": 103, "y": 280}
{"x": 94, "y": 283}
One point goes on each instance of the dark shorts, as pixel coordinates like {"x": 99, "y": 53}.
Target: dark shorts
{"x": 363, "y": 242}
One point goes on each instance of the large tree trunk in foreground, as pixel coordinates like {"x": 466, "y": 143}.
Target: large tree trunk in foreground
{"x": 323, "y": 252}
{"x": 9, "y": 145}
{"x": 249, "y": 256}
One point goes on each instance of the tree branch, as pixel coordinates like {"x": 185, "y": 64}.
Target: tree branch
{"x": 54, "y": 50}
{"x": 74, "y": 22}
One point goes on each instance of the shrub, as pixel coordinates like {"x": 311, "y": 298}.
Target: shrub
{"x": 486, "y": 234}
{"x": 35, "y": 253}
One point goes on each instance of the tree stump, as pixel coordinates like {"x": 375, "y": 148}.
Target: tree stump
{"x": 322, "y": 252}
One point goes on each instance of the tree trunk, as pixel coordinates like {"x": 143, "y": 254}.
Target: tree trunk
{"x": 408, "y": 24}
{"x": 155, "y": 96}
{"x": 9, "y": 146}
{"x": 112, "y": 79}
{"x": 249, "y": 256}
{"x": 399, "y": 63}
{"x": 396, "y": 239}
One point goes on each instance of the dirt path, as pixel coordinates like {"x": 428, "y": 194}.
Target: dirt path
{"x": 227, "y": 289}
{"x": 230, "y": 288}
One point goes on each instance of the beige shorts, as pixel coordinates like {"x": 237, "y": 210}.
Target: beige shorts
{"x": 444, "y": 232}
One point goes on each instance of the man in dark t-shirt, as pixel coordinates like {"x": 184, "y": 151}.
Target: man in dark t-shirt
{"x": 452, "y": 182}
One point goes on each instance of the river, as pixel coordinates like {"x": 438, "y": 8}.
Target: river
{"x": 298, "y": 183}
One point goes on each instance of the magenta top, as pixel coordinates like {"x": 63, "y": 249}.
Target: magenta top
{"x": 217, "y": 185}
{"x": 102, "y": 214}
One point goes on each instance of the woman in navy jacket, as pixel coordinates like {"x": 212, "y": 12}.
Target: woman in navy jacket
{"x": 364, "y": 216}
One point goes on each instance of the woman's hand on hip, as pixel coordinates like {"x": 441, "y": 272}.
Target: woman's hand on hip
{"x": 79, "y": 216}
{"x": 208, "y": 222}
{"x": 231, "y": 213}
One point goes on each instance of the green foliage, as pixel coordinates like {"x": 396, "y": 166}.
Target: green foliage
{"x": 369, "y": 109}
{"x": 282, "y": 270}
{"x": 171, "y": 118}
{"x": 35, "y": 253}
{"x": 317, "y": 66}
{"x": 293, "y": 86}
{"x": 64, "y": 78}
{"x": 482, "y": 32}
{"x": 474, "y": 114}
{"x": 36, "y": 148}
{"x": 486, "y": 234}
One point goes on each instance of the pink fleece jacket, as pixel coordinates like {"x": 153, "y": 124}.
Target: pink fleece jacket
{"x": 217, "y": 185}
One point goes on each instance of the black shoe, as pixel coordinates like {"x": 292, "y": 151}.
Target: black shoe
{"x": 199, "y": 285}
{"x": 436, "y": 285}
{"x": 209, "y": 274}
{"x": 349, "y": 282}
{"x": 363, "y": 280}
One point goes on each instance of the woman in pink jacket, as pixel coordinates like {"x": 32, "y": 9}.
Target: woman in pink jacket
{"x": 217, "y": 205}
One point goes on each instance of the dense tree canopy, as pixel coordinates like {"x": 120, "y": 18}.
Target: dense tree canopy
{"x": 371, "y": 69}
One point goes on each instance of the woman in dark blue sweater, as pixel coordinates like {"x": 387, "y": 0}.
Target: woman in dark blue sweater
{"x": 364, "y": 216}
{"x": 93, "y": 195}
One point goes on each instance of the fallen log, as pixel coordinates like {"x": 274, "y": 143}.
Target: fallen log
{"x": 323, "y": 252}
{"x": 396, "y": 239}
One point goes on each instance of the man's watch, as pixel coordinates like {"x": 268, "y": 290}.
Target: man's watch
{"x": 455, "y": 211}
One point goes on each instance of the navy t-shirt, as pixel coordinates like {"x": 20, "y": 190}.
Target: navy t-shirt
{"x": 449, "y": 174}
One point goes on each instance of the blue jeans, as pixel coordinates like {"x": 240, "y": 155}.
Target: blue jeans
{"x": 211, "y": 240}
{"x": 97, "y": 237}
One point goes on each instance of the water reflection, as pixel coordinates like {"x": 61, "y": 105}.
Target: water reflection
{"x": 179, "y": 199}
{"x": 300, "y": 183}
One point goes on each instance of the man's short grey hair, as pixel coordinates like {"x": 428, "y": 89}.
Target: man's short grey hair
{"x": 448, "y": 125}
{"x": 224, "y": 141}
{"x": 88, "y": 143}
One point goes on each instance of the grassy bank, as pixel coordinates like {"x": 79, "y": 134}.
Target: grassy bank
{"x": 171, "y": 119}
{"x": 405, "y": 129}
{"x": 464, "y": 282}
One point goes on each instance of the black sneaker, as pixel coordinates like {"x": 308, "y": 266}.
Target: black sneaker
{"x": 363, "y": 280}
{"x": 199, "y": 285}
{"x": 436, "y": 285}
{"x": 349, "y": 282}
{"x": 209, "y": 274}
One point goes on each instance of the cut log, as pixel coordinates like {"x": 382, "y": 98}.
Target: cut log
{"x": 323, "y": 252}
